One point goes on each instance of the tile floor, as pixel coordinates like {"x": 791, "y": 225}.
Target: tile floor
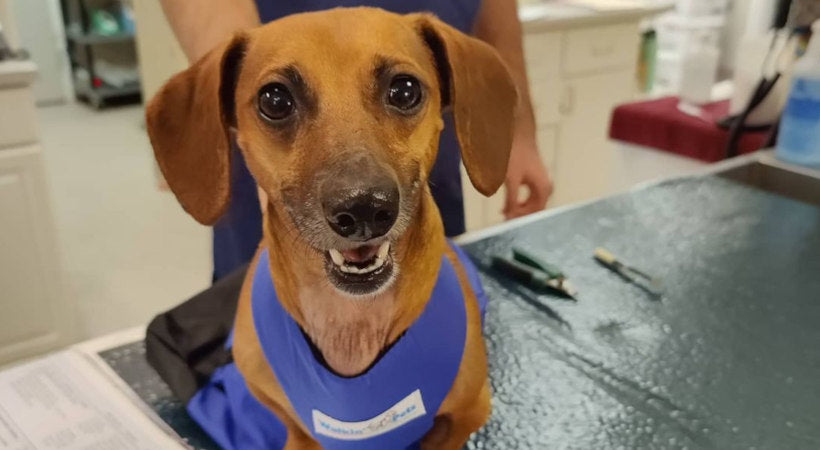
{"x": 127, "y": 250}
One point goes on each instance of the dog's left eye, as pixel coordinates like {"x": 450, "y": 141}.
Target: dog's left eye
{"x": 404, "y": 93}
{"x": 275, "y": 101}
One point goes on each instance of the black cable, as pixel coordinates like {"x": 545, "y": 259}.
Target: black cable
{"x": 782, "y": 14}
{"x": 736, "y": 131}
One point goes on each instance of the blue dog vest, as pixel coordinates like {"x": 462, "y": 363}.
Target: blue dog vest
{"x": 390, "y": 406}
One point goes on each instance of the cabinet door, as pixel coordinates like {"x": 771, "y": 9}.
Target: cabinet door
{"x": 32, "y": 318}
{"x": 542, "y": 53}
{"x": 584, "y": 155}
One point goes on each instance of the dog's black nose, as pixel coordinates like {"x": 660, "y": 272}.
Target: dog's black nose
{"x": 363, "y": 214}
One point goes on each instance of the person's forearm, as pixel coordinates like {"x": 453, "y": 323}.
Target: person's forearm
{"x": 200, "y": 26}
{"x": 498, "y": 25}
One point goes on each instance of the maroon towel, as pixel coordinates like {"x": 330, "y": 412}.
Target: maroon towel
{"x": 659, "y": 124}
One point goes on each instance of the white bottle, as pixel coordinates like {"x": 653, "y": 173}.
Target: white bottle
{"x": 699, "y": 69}
{"x": 798, "y": 141}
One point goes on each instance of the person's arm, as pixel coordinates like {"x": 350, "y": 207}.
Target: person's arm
{"x": 201, "y": 25}
{"x": 498, "y": 25}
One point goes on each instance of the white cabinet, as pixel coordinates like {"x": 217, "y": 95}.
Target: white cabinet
{"x": 33, "y": 316}
{"x": 18, "y": 120}
{"x": 578, "y": 70}
{"x": 581, "y": 169}
{"x": 600, "y": 48}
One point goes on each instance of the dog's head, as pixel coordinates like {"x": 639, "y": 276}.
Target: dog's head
{"x": 338, "y": 115}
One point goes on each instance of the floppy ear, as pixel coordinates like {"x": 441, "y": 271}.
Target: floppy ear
{"x": 189, "y": 122}
{"x": 476, "y": 84}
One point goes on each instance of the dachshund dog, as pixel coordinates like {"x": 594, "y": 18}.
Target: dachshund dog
{"x": 337, "y": 115}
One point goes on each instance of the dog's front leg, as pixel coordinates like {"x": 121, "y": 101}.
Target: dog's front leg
{"x": 298, "y": 437}
{"x": 452, "y": 430}
{"x": 298, "y": 440}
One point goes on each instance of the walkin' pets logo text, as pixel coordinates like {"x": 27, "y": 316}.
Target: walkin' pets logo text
{"x": 407, "y": 409}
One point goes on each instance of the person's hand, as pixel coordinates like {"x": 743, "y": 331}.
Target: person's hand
{"x": 526, "y": 169}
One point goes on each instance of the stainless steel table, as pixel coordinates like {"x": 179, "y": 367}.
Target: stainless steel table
{"x": 728, "y": 358}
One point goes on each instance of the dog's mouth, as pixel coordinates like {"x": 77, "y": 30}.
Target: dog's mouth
{"x": 363, "y": 270}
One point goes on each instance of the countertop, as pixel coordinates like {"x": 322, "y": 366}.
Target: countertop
{"x": 725, "y": 359}
{"x": 16, "y": 73}
{"x": 562, "y": 14}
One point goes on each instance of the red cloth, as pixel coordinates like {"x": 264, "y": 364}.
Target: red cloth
{"x": 659, "y": 124}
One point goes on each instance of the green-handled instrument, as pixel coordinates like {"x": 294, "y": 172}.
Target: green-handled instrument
{"x": 534, "y": 272}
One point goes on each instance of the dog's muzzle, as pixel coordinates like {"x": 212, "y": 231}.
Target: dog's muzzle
{"x": 362, "y": 213}
{"x": 360, "y": 201}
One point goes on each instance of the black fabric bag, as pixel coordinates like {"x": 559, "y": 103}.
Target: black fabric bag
{"x": 187, "y": 343}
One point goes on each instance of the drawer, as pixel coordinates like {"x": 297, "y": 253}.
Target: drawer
{"x": 18, "y": 118}
{"x": 591, "y": 49}
{"x": 542, "y": 54}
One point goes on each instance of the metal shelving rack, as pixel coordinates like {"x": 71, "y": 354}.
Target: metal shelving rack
{"x": 81, "y": 44}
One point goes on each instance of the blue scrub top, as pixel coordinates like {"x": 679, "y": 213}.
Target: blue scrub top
{"x": 238, "y": 233}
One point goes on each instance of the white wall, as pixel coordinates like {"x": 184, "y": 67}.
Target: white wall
{"x": 9, "y": 25}
{"x": 744, "y": 16}
{"x": 732, "y": 32}
{"x": 160, "y": 55}
{"x": 40, "y": 25}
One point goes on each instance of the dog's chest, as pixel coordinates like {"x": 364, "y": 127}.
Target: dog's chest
{"x": 393, "y": 403}
{"x": 349, "y": 333}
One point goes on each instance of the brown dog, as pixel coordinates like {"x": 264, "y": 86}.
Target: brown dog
{"x": 338, "y": 115}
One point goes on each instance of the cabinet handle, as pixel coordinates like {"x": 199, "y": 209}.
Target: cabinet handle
{"x": 567, "y": 103}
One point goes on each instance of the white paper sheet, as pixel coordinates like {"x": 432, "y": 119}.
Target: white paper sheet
{"x": 64, "y": 402}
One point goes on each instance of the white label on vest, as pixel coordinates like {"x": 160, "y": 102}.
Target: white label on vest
{"x": 409, "y": 408}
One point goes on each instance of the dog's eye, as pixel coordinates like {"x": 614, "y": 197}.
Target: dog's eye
{"x": 404, "y": 93}
{"x": 275, "y": 101}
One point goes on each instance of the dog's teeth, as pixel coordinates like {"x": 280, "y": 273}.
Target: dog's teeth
{"x": 383, "y": 249}
{"x": 378, "y": 261}
{"x": 376, "y": 264}
{"x": 337, "y": 257}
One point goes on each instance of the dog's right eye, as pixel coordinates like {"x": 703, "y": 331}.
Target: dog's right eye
{"x": 404, "y": 93}
{"x": 275, "y": 102}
